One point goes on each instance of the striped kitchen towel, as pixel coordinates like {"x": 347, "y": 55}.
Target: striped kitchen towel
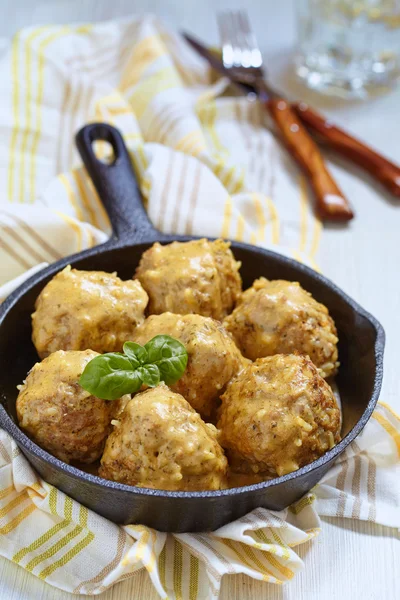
{"x": 207, "y": 165}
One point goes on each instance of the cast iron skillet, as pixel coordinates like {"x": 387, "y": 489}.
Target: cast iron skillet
{"x": 360, "y": 376}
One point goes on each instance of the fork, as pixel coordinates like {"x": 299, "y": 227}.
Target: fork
{"x": 242, "y": 56}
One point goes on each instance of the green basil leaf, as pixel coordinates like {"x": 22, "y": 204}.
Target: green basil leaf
{"x": 169, "y": 355}
{"x": 110, "y": 376}
{"x": 150, "y": 375}
{"x": 136, "y": 353}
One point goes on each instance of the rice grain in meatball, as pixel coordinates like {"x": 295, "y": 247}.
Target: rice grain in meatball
{"x": 87, "y": 310}
{"x": 278, "y": 415}
{"x": 200, "y": 277}
{"x": 280, "y": 317}
{"x": 213, "y": 356}
{"x": 58, "y": 414}
{"x": 160, "y": 442}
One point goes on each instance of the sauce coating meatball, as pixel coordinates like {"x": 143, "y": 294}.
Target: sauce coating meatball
{"x": 278, "y": 415}
{"x": 161, "y": 442}
{"x": 213, "y": 356}
{"x": 200, "y": 277}
{"x": 81, "y": 310}
{"x": 280, "y": 317}
{"x": 58, "y": 414}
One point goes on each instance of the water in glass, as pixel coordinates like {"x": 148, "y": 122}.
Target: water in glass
{"x": 347, "y": 47}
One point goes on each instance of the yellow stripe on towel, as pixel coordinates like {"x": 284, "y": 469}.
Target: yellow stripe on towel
{"x": 394, "y": 434}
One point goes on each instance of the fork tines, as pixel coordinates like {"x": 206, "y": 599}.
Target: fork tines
{"x": 239, "y": 44}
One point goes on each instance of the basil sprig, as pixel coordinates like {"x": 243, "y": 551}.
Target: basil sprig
{"x": 112, "y": 375}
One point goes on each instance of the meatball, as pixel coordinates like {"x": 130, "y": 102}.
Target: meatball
{"x": 82, "y": 310}
{"x": 213, "y": 357}
{"x": 278, "y": 415}
{"x": 58, "y": 414}
{"x": 200, "y": 277}
{"x": 161, "y": 442}
{"x": 280, "y": 317}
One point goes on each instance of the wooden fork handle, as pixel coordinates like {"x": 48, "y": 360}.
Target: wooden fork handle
{"x": 375, "y": 164}
{"x": 331, "y": 203}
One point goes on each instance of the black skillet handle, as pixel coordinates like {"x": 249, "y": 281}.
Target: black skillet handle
{"x": 116, "y": 184}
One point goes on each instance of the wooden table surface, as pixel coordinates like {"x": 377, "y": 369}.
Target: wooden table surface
{"x": 351, "y": 559}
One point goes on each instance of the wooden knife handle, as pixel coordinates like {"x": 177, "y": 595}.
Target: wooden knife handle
{"x": 331, "y": 203}
{"x": 333, "y": 137}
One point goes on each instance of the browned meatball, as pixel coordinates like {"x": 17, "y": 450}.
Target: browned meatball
{"x": 213, "y": 357}
{"x": 87, "y": 310}
{"x": 200, "y": 277}
{"x": 58, "y": 414}
{"x": 278, "y": 415}
{"x": 160, "y": 442}
{"x": 274, "y": 317}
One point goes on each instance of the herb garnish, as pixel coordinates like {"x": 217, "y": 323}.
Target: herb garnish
{"x": 112, "y": 375}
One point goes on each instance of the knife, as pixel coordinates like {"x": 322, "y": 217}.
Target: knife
{"x": 331, "y": 204}
{"x": 325, "y": 132}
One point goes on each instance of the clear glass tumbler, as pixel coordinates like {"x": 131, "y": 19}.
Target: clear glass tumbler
{"x": 347, "y": 47}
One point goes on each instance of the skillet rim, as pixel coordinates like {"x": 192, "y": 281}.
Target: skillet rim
{"x": 25, "y": 442}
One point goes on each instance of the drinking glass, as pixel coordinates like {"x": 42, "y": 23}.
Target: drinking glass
{"x": 346, "y": 47}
